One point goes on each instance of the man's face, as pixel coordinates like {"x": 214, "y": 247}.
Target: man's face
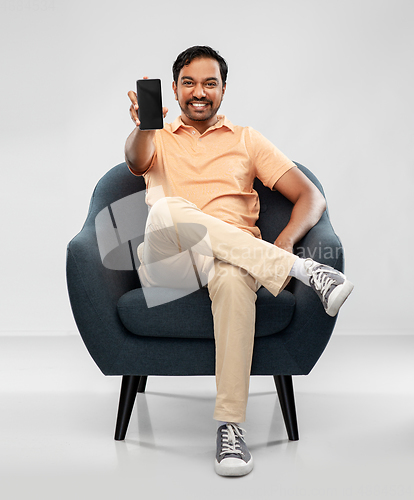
{"x": 199, "y": 91}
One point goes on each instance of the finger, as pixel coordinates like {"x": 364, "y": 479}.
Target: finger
{"x": 134, "y": 116}
{"x": 133, "y": 111}
{"x": 164, "y": 111}
{"x": 133, "y": 98}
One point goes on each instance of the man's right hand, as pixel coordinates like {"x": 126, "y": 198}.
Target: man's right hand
{"x": 139, "y": 146}
{"x": 133, "y": 109}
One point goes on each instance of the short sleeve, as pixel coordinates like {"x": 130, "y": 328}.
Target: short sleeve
{"x": 269, "y": 162}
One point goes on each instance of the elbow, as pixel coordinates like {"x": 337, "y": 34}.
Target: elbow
{"x": 130, "y": 165}
{"x": 127, "y": 156}
{"x": 322, "y": 202}
{"x": 317, "y": 205}
{"x": 316, "y": 202}
{"x": 137, "y": 169}
{"x": 131, "y": 158}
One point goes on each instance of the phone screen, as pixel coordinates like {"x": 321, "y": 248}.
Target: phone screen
{"x": 150, "y": 104}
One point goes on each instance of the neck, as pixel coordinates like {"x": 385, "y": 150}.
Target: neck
{"x": 200, "y": 126}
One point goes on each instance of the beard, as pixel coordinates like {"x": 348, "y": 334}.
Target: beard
{"x": 199, "y": 116}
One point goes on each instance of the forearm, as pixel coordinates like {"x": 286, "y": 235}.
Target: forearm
{"x": 306, "y": 212}
{"x": 139, "y": 150}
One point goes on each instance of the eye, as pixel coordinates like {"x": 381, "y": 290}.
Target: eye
{"x": 211, "y": 84}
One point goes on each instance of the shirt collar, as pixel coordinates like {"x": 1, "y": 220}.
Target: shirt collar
{"x": 222, "y": 122}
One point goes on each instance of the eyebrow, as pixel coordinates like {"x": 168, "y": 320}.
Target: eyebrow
{"x": 206, "y": 80}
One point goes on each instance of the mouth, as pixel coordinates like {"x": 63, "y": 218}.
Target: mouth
{"x": 200, "y": 106}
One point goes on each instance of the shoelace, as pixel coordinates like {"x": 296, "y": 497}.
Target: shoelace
{"x": 231, "y": 435}
{"x": 321, "y": 280}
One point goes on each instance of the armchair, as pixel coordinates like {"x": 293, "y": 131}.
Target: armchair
{"x": 126, "y": 338}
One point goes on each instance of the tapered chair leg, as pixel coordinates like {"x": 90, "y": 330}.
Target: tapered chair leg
{"x": 284, "y": 386}
{"x": 126, "y": 404}
{"x": 142, "y": 383}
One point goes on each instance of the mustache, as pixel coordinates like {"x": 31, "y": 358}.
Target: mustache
{"x": 207, "y": 101}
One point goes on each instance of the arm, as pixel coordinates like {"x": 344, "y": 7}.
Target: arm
{"x": 139, "y": 150}
{"x": 308, "y": 206}
{"x": 139, "y": 147}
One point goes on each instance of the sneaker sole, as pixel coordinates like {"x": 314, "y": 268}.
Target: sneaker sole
{"x": 232, "y": 467}
{"x": 338, "y": 297}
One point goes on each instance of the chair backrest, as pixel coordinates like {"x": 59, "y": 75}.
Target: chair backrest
{"x": 275, "y": 209}
{"x": 117, "y": 183}
{"x": 119, "y": 214}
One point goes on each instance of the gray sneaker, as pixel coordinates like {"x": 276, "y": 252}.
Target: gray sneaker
{"x": 232, "y": 457}
{"x": 331, "y": 286}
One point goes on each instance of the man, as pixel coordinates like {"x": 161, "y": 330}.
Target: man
{"x": 204, "y": 168}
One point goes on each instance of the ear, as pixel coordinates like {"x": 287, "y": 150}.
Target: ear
{"x": 223, "y": 91}
{"x": 174, "y": 87}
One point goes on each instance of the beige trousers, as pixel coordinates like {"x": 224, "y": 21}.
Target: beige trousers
{"x": 185, "y": 248}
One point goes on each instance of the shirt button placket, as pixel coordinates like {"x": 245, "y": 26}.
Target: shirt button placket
{"x": 195, "y": 141}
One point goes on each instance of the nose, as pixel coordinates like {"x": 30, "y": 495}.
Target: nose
{"x": 199, "y": 91}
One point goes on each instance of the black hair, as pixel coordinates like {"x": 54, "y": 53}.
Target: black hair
{"x": 199, "y": 51}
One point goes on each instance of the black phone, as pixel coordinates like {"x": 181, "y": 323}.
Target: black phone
{"x": 150, "y": 104}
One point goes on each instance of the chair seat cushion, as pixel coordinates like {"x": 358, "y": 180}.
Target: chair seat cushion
{"x": 190, "y": 316}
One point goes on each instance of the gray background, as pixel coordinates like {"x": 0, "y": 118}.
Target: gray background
{"x": 329, "y": 82}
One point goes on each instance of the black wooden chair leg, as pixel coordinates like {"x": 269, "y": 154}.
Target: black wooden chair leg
{"x": 142, "y": 383}
{"x": 126, "y": 404}
{"x": 284, "y": 386}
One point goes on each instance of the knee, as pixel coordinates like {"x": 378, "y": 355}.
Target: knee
{"x": 229, "y": 279}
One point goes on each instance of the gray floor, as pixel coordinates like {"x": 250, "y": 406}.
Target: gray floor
{"x": 57, "y": 416}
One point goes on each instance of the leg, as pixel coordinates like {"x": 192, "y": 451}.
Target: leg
{"x": 126, "y": 403}
{"x": 175, "y": 226}
{"x": 233, "y": 296}
{"x": 142, "y": 383}
{"x": 182, "y": 242}
{"x": 284, "y": 388}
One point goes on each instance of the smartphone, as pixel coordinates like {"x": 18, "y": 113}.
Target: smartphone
{"x": 150, "y": 104}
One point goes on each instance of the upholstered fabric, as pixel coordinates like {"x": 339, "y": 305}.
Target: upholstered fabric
{"x": 190, "y": 316}
{"x": 95, "y": 291}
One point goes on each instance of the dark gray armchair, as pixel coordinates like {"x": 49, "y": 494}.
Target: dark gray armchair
{"x": 128, "y": 339}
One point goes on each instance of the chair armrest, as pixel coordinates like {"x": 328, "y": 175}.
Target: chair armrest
{"x": 94, "y": 292}
{"x": 322, "y": 244}
{"x": 310, "y": 329}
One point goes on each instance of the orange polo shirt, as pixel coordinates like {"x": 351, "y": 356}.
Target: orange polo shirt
{"x": 215, "y": 170}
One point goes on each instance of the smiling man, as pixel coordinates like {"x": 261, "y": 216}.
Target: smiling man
{"x": 206, "y": 166}
{"x": 199, "y": 90}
